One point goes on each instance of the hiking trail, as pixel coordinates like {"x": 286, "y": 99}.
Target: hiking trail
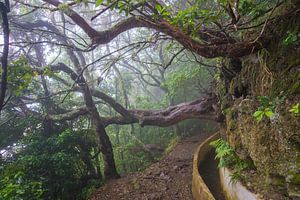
{"x": 168, "y": 179}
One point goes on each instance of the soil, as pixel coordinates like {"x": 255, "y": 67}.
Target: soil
{"x": 168, "y": 179}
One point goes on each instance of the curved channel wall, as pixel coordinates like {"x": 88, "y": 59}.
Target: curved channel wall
{"x": 199, "y": 188}
{"x": 232, "y": 191}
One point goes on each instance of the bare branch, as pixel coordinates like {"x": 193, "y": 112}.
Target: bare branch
{"x": 173, "y": 57}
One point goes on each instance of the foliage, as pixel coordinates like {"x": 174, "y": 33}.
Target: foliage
{"x": 191, "y": 19}
{"x": 15, "y": 185}
{"x": 172, "y": 145}
{"x": 13, "y": 128}
{"x": 291, "y": 38}
{"x": 255, "y": 8}
{"x": 122, "y": 6}
{"x": 228, "y": 158}
{"x": 59, "y": 166}
{"x": 181, "y": 79}
{"x": 47, "y": 168}
{"x": 235, "y": 176}
{"x": 130, "y": 146}
{"x": 20, "y": 75}
{"x": 266, "y": 108}
{"x": 295, "y": 110}
{"x": 65, "y": 8}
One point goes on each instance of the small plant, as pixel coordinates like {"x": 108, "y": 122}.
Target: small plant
{"x": 290, "y": 38}
{"x": 224, "y": 153}
{"x": 235, "y": 176}
{"x": 266, "y": 108}
{"x": 259, "y": 114}
{"x": 135, "y": 184}
{"x": 228, "y": 158}
{"x": 295, "y": 110}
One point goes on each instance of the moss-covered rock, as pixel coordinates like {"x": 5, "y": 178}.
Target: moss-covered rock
{"x": 273, "y": 144}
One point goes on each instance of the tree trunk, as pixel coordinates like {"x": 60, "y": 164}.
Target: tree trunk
{"x": 110, "y": 170}
{"x": 48, "y": 124}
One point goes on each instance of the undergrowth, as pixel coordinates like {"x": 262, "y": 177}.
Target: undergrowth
{"x": 228, "y": 158}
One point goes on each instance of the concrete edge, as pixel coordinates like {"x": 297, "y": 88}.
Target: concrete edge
{"x": 199, "y": 188}
{"x": 234, "y": 191}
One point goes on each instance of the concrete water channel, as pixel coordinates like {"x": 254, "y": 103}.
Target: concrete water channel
{"x": 211, "y": 183}
{"x": 210, "y": 174}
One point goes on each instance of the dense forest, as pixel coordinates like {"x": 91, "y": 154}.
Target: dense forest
{"x": 94, "y": 90}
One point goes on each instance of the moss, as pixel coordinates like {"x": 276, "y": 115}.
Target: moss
{"x": 230, "y": 121}
{"x": 273, "y": 146}
{"x": 231, "y": 87}
{"x": 226, "y": 102}
{"x": 296, "y": 179}
{"x": 172, "y": 145}
{"x": 295, "y": 88}
{"x": 279, "y": 182}
{"x": 289, "y": 83}
{"x": 135, "y": 184}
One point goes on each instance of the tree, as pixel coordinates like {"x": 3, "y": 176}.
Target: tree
{"x": 157, "y": 16}
{"x": 207, "y": 28}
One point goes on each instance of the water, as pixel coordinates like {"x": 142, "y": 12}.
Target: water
{"x": 209, "y": 172}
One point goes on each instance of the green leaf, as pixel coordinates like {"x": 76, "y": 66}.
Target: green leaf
{"x": 259, "y": 118}
{"x": 295, "y": 109}
{"x": 98, "y": 3}
{"x": 269, "y": 113}
{"x": 158, "y": 8}
{"x": 257, "y": 113}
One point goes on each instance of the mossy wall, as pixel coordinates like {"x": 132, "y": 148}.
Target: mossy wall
{"x": 273, "y": 144}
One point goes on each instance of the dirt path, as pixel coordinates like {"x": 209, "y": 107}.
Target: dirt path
{"x": 168, "y": 179}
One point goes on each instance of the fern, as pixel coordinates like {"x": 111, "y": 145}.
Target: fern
{"x": 228, "y": 158}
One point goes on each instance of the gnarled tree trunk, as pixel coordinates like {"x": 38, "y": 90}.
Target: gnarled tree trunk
{"x": 110, "y": 170}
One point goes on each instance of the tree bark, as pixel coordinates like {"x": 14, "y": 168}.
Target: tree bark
{"x": 110, "y": 170}
{"x": 204, "y": 108}
{"x": 198, "y": 109}
{"x": 4, "y": 9}
{"x": 229, "y": 49}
